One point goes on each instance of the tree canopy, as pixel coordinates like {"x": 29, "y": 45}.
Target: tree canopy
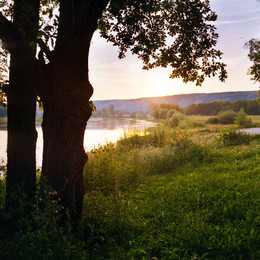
{"x": 179, "y": 34}
{"x": 254, "y": 56}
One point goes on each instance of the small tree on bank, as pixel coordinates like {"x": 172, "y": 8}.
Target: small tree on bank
{"x": 242, "y": 119}
{"x": 59, "y": 74}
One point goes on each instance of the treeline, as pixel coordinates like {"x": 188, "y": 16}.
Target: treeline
{"x": 175, "y": 116}
{"x": 163, "y": 110}
{"x": 251, "y": 107}
{"x": 111, "y": 112}
{"x": 213, "y": 108}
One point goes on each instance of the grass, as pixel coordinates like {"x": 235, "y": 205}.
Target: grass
{"x": 168, "y": 194}
{"x": 196, "y": 199}
{"x": 256, "y": 120}
{"x": 203, "y": 119}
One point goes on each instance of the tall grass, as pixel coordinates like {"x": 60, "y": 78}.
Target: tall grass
{"x": 164, "y": 194}
{"x": 170, "y": 195}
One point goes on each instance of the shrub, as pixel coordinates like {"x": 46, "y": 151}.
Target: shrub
{"x": 227, "y": 117}
{"x": 175, "y": 119}
{"x": 212, "y": 120}
{"x": 242, "y": 120}
{"x": 224, "y": 117}
{"x": 170, "y": 113}
{"x": 234, "y": 137}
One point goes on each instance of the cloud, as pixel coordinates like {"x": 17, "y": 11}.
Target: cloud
{"x": 238, "y": 21}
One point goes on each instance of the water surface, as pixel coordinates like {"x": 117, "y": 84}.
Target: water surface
{"x": 99, "y": 132}
{"x": 251, "y": 131}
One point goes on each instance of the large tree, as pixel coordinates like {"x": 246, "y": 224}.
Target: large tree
{"x": 175, "y": 33}
{"x": 19, "y": 38}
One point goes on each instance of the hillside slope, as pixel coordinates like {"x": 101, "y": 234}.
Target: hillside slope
{"x": 141, "y": 104}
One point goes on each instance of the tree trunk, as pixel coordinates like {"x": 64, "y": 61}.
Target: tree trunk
{"x": 21, "y": 172}
{"x": 21, "y": 100}
{"x": 66, "y": 102}
{"x": 66, "y": 112}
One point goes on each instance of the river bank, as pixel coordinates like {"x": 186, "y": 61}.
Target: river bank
{"x": 165, "y": 195}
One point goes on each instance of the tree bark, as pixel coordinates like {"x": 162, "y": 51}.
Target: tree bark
{"x": 66, "y": 102}
{"x": 21, "y": 165}
{"x": 66, "y": 112}
{"x": 21, "y": 97}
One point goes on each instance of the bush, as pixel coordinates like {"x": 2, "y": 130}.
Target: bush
{"x": 175, "y": 119}
{"x": 170, "y": 113}
{"x": 163, "y": 111}
{"x": 224, "y": 117}
{"x": 227, "y": 117}
{"x": 242, "y": 120}
{"x": 234, "y": 137}
{"x": 212, "y": 120}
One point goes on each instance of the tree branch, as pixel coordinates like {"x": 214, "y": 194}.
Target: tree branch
{"x": 45, "y": 49}
{"x": 8, "y": 35}
{"x": 13, "y": 40}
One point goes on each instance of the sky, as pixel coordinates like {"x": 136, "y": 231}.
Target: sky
{"x": 238, "y": 21}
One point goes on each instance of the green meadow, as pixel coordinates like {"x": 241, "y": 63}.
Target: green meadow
{"x": 162, "y": 194}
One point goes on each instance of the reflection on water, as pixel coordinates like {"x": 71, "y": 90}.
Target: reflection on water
{"x": 3, "y": 146}
{"x": 114, "y": 123}
{"x": 99, "y": 131}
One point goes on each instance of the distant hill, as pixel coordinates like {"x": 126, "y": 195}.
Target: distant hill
{"x": 183, "y": 100}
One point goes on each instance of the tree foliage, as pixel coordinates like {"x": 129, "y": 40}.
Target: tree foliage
{"x": 254, "y": 55}
{"x": 4, "y": 58}
{"x": 179, "y": 34}
{"x": 242, "y": 119}
{"x": 224, "y": 117}
{"x": 214, "y": 107}
{"x": 163, "y": 110}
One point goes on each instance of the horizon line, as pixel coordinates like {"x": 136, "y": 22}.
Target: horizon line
{"x": 113, "y": 99}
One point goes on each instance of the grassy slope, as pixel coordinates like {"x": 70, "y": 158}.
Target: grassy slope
{"x": 167, "y": 195}
{"x": 203, "y": 207}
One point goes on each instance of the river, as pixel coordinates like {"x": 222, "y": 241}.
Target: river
{"x": 251, "y": 131}
{"x": 98, "y": 132}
